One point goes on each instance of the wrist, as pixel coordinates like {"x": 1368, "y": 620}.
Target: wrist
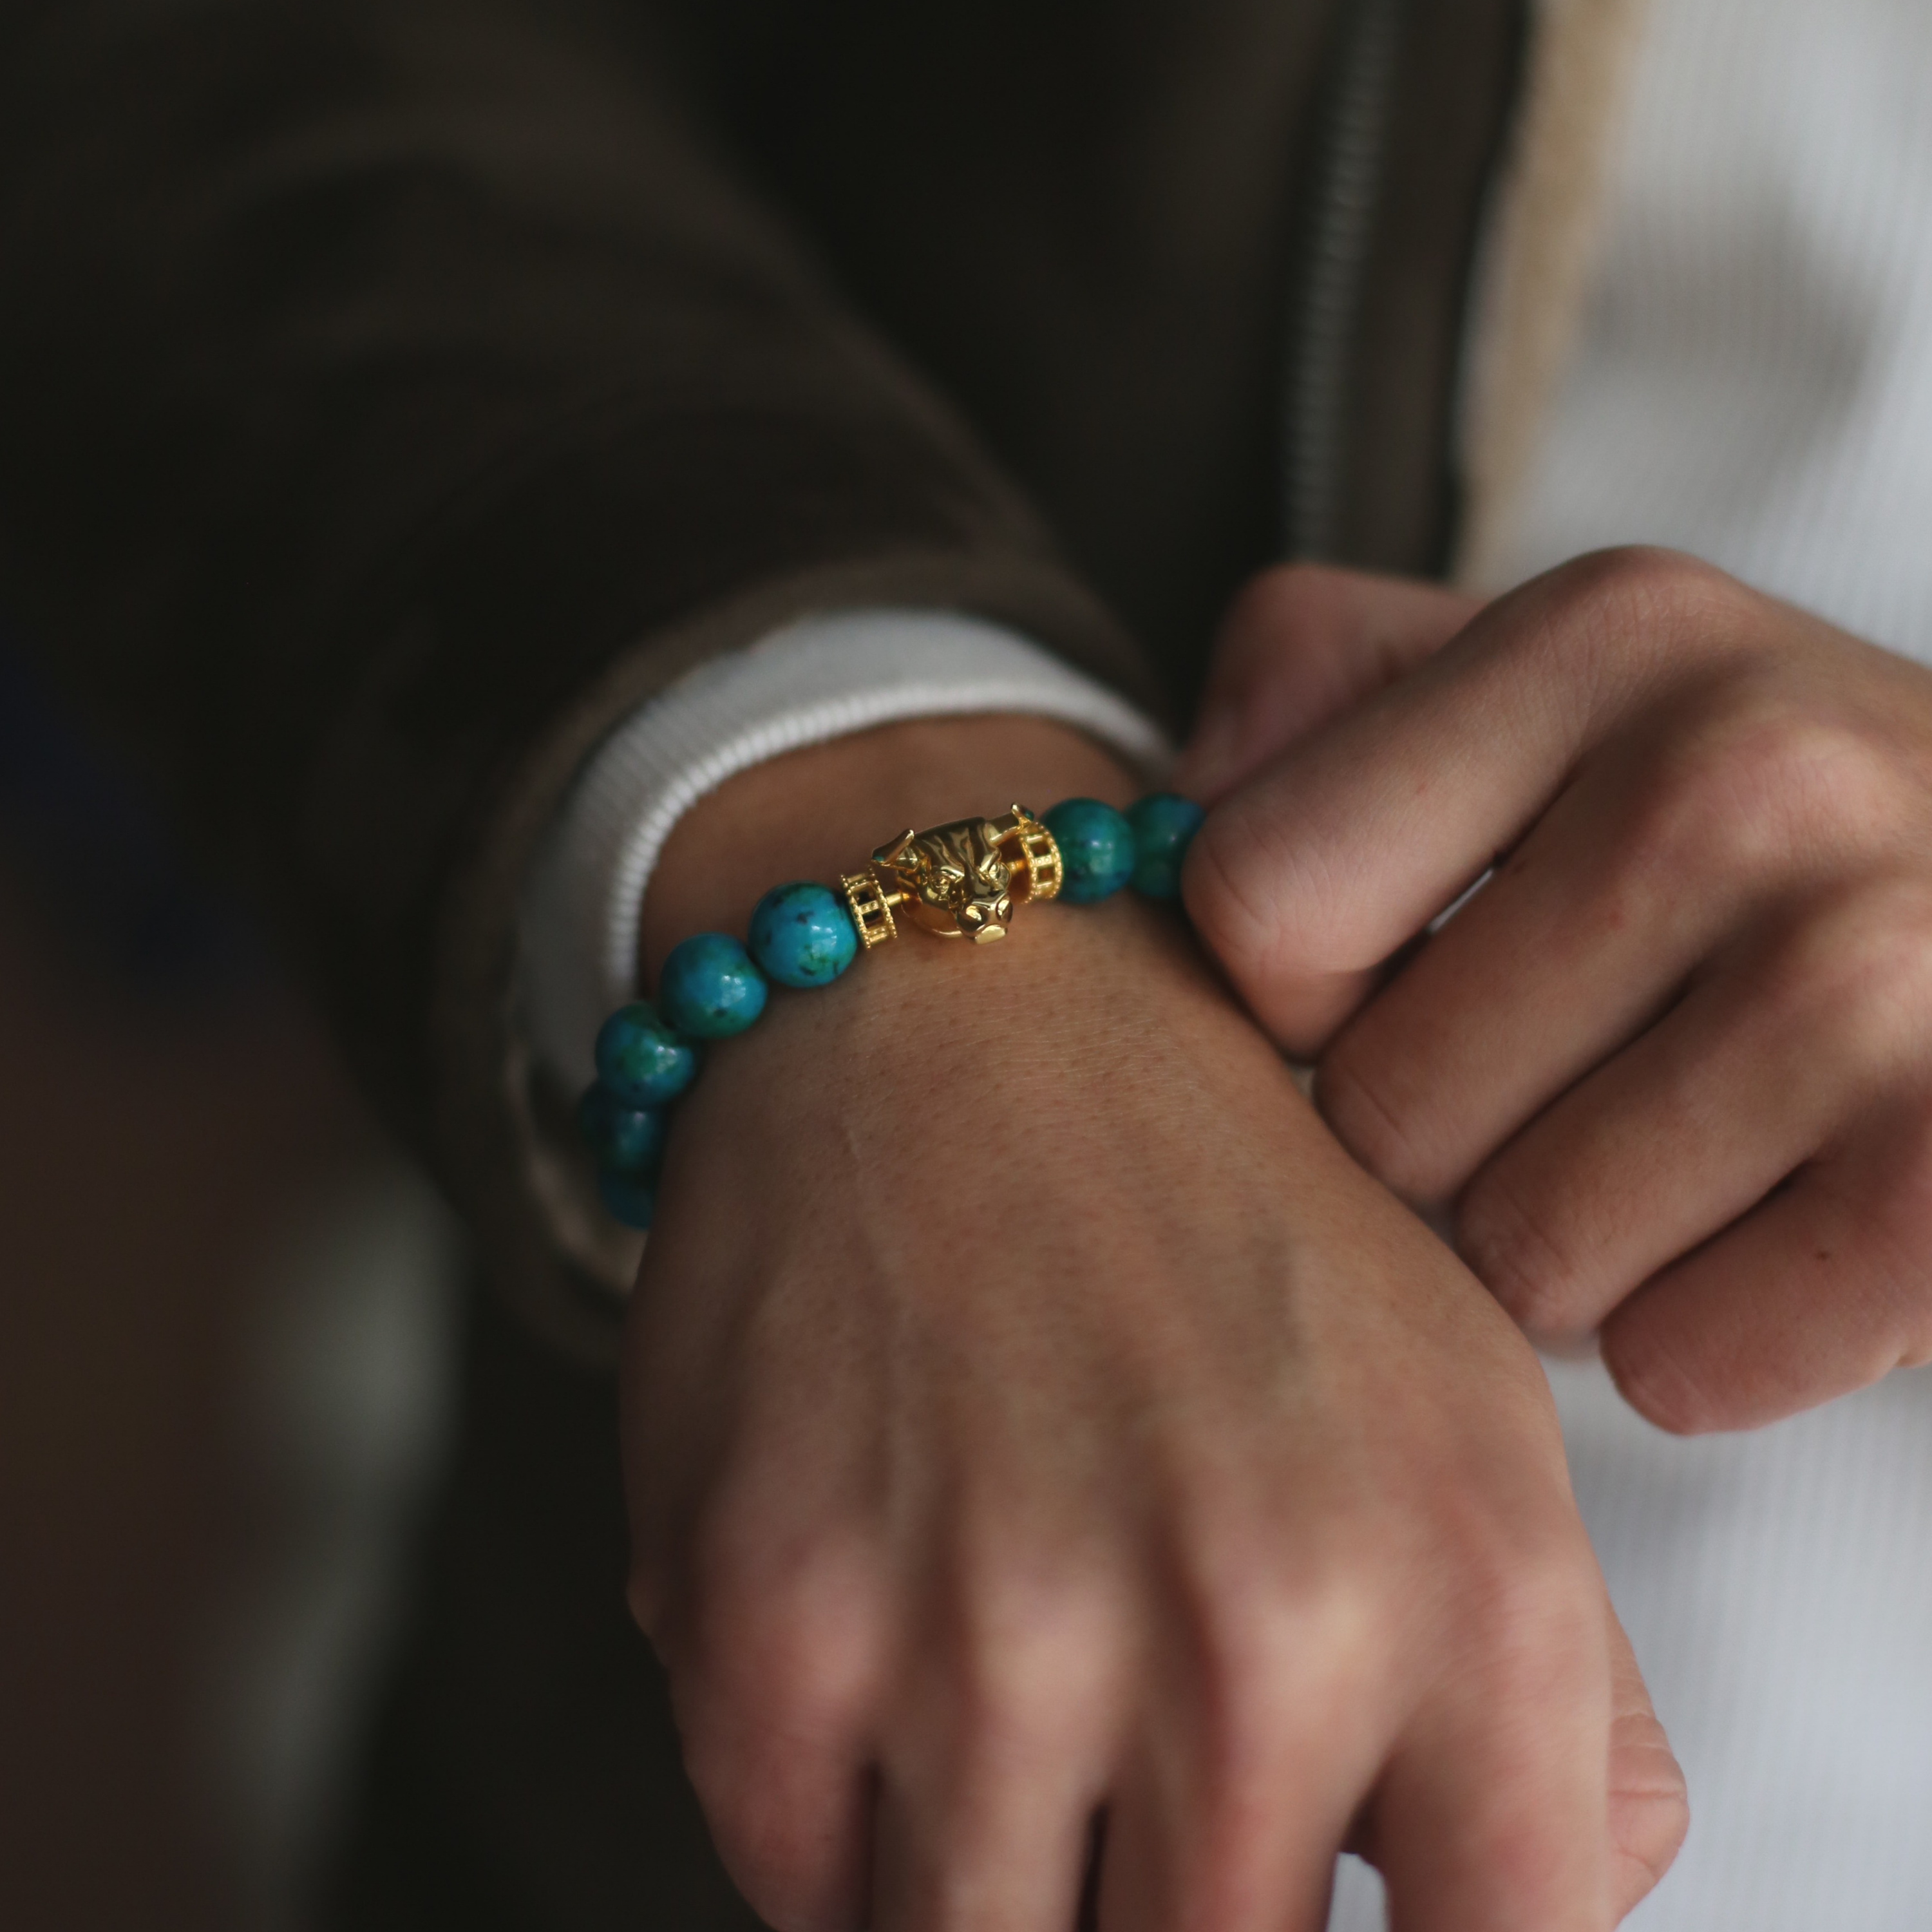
{"x": 816, "y": 813}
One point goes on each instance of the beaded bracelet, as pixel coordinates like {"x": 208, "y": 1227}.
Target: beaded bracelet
{"x": 957, "y": 881}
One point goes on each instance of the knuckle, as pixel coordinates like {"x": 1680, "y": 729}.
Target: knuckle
{"x": 1801, "y": 769}
{"x": 1714, "y": 799}
{"x": 1754, "y": 782}
{"x": 1281, "y": 1658}
{"x": 1647, "y": 587}
{"x": 1006, "y": 1705}
{"x": 1592, "y": 621}
{"x": 1029, "y": 1661}
{"x": 1764, "y": 760}
{"x": 1292, "y": 598}
{"x": 1539, "y": 1611}
{"x": 1853, "y": 979}
{"x": 1883, "y": 936}
{"x": 789, "y": 1641}
{"x": 1520, "y": 1254}
{"x": 1669, "y": 580}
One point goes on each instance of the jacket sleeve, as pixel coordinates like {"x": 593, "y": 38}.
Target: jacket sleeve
{"x": 392, "y": 396}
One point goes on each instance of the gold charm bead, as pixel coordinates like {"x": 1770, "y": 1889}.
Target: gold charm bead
{"x": 872, "y": 908}
{"x": 952, "y": 881}
{"x": 957, "y": 881}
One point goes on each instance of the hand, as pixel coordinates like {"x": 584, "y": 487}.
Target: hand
{"x": 1673, "y": 1064}
{"x": 1034, "y": 1418}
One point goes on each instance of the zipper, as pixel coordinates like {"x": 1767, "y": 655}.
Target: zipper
{"x": 1351, "y": 151}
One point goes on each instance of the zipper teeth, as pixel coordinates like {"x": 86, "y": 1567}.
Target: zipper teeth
{"x": 1347, "y": 189}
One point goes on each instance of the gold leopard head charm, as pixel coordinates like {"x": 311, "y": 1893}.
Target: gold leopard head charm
{"x": 956, "y": 879}
{"x": 960, "y": 881}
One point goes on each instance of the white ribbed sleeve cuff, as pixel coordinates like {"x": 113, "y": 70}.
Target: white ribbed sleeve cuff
{"x": 813, "y": 680}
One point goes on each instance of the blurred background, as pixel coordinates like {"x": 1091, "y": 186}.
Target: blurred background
{"x": 228, "y": 1316}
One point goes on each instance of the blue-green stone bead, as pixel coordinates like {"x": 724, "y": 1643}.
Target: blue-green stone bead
{"x": 630, "y": 1197}
{"x": 709, "y": 988}
{"x": 801, "y": 934}
{"x": 627, "y": 1140}
{"x": 1164, "y": 825}
{"x": 1097, "y": 849}
{"x": 642, "y": 1061}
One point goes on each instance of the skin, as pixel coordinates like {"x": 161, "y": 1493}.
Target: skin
{"x": 1670, "y": 1071}
{"x": 1040, "y": 1435}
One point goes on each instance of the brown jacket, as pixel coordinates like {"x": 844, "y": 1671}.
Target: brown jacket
{"x": 393, "y": 394}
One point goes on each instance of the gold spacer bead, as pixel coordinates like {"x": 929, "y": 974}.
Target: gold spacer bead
{"x": 1041, "y": 851}
{"x": 871, "y": 911}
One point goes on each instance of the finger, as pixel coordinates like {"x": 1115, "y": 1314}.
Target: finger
{"x": 1305, "y": 878}
{"x": 1574, "y": 946}
{"x": 1649, "y": 1808}
{"x": 1301, "y": 644}
{"x": 1001, "y": 1848}
{"x": 1234, "y": 1800}
{"x": 1766, "y": 1060}
{"x": 1649, "y": 1813}
{"x": 1493, "y": 1814}
{"x": 791, "y": 1818}
{"x": 996, "y": 1763}
{"x": 774, "y": 1657}
{"x": 1251, "y": 1854}
{"x": 1823, "y": 1289}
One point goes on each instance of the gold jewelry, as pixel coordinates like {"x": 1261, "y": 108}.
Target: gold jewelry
{"x": 958, "y": 881}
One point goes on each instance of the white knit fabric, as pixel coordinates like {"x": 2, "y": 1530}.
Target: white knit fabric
{"x": 1755, "y": 385}
{"x": 816, "y": 679}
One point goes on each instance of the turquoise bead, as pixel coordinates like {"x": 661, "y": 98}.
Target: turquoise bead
{"x": 630, "y": 1198}
{"x": 801, "y": 934}
{"x": 709, "y": 988}
{"x": 1164, "y": 823}
{"x": 1097, "y": 849}
{"x": 628, "y": 1140}
{"x": 642, "y": 1061}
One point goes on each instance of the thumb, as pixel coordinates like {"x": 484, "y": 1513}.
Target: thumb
{"x": 1302, "y": 643}
{"x": 1649, "y": 1811}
